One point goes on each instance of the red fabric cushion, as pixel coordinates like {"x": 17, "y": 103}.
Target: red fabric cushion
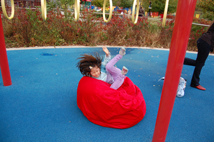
{"x": 122, "y": 108}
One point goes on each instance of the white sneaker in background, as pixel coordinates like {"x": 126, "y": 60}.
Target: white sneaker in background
{"x": 181, "y": 87}
{"x": 162, "y": 78}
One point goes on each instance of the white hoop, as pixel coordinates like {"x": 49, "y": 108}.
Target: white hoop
{"x": 104, "y": 9}
{"x": 133, "y": 11}
{"x": 44, "y": 9}
{"x": 4, "y": 9}
{"x": 77, "y": 9}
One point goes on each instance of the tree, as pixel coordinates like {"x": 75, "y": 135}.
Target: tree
{"x": 159, "y": 5}
{"x": 207, "y": 6}
{"x": 126, "y": 3}
{"x": 121, "y": 3}
{"x": 99, "y": 3}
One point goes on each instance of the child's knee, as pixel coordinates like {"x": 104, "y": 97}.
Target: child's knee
{"x": 108, "y": 67}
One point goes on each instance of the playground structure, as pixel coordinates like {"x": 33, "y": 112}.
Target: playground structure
{"x": 179, "y": 41}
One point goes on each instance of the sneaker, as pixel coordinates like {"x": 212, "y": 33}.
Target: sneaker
{"x": 181, "y": 87}
{"x": 162, "y": 78}
{"x": 124, "y": 70}
{"x": 122, "y": 51}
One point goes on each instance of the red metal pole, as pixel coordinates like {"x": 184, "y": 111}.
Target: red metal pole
{"x": 179, "y": 42}
{"x": 3, "y": 59}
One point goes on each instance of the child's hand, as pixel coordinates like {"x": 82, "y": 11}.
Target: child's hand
{"x": 106, "y": 51}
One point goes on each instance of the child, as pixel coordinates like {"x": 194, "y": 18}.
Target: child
{"x": 91, "y": 66}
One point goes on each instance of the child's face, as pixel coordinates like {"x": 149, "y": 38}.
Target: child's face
{"x": 95, "y": 71}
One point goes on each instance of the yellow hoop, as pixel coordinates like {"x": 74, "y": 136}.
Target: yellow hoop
{"x": 133, "y": 11}
{"x": 4, "y": 9}
{"x": 44, "y": 9}
{"x": 104, "y": 10}
{"x": 77, "y": 9}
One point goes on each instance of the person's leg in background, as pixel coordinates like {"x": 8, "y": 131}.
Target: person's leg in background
{"x": 188, "y": 61}
{"x": 203, "y": 52}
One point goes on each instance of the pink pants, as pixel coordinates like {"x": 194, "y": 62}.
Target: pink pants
{"x": 115, "y": 72}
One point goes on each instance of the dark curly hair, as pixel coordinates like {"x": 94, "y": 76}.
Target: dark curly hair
{"x": 87, "y": 60}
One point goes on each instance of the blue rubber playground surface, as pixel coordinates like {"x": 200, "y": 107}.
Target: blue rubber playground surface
{"x": 41, "y": 103}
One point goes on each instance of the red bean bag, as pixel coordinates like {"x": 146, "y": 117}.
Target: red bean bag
{"x": 102, "y": 105}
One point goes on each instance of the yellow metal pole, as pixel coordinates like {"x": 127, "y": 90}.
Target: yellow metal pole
{"x": 44, "y": 9}
{"x": 165, "y": 13}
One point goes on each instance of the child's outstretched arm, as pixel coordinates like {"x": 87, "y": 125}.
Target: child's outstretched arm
{"x": 105, "y": 49}
{"x": 107, "y": 57}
